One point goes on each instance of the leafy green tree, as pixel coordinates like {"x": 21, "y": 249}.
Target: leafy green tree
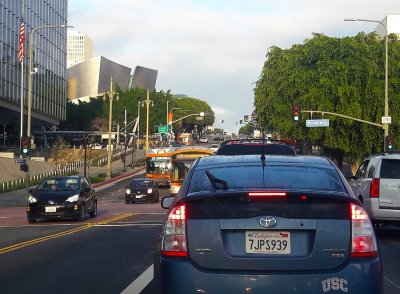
{"x": 92, "y": 115}
{"x": 341, "y": 75}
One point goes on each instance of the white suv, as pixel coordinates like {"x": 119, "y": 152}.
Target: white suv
{"x": 377, "y": 185}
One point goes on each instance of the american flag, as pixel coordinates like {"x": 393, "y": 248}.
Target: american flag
{"x": 21, "y": 52}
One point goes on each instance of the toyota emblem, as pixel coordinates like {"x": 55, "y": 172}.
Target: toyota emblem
{"x": 51, "y": 202}
{"x": 267, "y": 221}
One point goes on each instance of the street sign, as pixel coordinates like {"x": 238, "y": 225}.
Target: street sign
{"x": 386, "y": 119}
{"x": 163, "y": 130}
{"x": 313, "y": 123}
{"x": 20, "y": 161}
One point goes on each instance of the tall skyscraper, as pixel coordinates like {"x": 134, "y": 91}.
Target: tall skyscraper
{"x": 48, "y": 59}
{"x": 79, "y": 47}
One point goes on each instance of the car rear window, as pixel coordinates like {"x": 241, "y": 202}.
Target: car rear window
{"x": 246, "y": 149}
{"x": 390, "y": 169}
{"x": 243, "y": 177}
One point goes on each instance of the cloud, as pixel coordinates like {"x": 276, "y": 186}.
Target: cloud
{"x": 214, "y": 50}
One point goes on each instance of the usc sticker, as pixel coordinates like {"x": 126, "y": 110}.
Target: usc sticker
{"x": 334, "y": 284}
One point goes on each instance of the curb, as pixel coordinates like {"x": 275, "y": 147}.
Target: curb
{"x": 119, "y": 177}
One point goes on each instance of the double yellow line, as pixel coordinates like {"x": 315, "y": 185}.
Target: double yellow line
{"x": 61, "y": 234}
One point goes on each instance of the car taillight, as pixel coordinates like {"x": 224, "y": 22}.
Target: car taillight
{"x": 363, "y": 237}
{"x": 174, "y": 235}
{"x": 374, "y": 190}
{"x": 266, "y": 195}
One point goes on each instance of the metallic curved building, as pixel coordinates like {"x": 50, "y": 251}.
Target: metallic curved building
{"x": 49, "y": 57}
{"x": 92, "y": 78}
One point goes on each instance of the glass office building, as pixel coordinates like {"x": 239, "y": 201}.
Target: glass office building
{"x": 48, "y": 58}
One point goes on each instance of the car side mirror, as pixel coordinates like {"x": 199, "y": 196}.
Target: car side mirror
{"x": 167, "y": 201}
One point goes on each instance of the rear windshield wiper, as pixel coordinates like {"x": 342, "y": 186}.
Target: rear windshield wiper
{"x": 218, "y": 184}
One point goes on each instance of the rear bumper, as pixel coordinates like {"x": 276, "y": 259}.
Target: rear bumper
{"x": 180, "y": 275}
{"x": 378, "y": 213}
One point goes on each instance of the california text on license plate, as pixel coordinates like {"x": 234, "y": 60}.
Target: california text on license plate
{"x": 50, "y": 209}
{"x": 268, "y": 242}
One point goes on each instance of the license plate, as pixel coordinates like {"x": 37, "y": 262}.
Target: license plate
{"x": 50, "y": 209}
{"x": 268, "y": 242}
{"x": 139, "y": 196}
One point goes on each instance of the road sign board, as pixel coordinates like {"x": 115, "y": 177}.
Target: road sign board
{"x": 386, "y": 119}
{"x": 313, "y": 123}
{"x": 163, "y": 130}
{"x": 20, "y": 161}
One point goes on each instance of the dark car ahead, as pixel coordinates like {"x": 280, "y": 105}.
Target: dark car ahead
{"x": 141, "y": 190}
{"x": 254, "y": 146}
{"x": 62, "y": 197}
{"x": 266, "y": 224}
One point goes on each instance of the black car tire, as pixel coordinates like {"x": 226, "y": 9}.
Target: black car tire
{"x": 81, "y": 216}
{"x": 127, "y": 201}
{"x": 31, "y": 220}
{"x": 93, "y": 213}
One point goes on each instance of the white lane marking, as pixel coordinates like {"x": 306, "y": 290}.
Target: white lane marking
{"x": 391, "y": 282}
{"x": 140, "y": 283}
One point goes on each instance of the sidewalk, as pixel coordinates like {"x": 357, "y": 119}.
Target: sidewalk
{"x": 10, "y": 170}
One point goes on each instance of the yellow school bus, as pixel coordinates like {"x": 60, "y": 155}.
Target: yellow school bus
{"x": 181, "y": 161}
{"x": 158, "y": 164}
{"x": 186, "y": 139}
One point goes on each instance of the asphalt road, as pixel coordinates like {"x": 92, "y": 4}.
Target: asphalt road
{"x": 112, "y": 253}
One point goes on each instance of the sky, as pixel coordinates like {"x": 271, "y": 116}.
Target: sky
{"x": 214, "y": 50}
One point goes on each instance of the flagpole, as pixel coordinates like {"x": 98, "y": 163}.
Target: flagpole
{"x": 22, "y": 84}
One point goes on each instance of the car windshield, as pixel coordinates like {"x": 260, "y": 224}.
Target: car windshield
{"x": 269, "y": 177}
{"x": 140, "y": 183}
{"x": 255, "y": 148}
{"x": 59, "y": 184}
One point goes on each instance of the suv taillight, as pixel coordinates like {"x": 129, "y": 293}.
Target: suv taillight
{"x": 374, "y": 190}
{"x": 363, "y": 237}
{"x": 174, "y": 236}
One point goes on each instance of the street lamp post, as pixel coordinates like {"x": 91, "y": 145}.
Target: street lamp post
{"x": 32, "y": 72}
{"x": 386, "y": 111}
{"x": 170, "y": 123}
{"x": 110, "y": 95}
{"x": 30, "y": 76}
{"x": 148, "y": 101}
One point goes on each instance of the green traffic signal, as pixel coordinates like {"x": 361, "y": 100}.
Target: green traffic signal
{"x": 389, "y": 143}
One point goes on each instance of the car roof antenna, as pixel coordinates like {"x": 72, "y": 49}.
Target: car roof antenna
{"x": 263, "y": 157}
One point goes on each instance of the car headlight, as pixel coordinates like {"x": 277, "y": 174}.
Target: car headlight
{"x": 73, "y": 198}
{"x": 175, "y": 189}
{"x": 32, "y": 199}
{"x": 128, "y": 191}
{"x": 149, "y": 191}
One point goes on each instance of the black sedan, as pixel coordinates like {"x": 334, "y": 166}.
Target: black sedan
{"x": 140, "y": 190}
{"x": 62, "y": 197}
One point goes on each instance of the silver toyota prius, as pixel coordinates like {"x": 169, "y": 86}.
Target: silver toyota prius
{"x": 266, "y": 224}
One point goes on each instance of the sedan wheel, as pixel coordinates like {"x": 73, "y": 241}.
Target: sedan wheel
{"x": 93, "y": 213}
{"x": 81, "y": 216}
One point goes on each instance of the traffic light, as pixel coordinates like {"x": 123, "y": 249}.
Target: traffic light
{"x": 24, "y": 167}
{"x": 25, "y": 145}
{"x": 389, "y": 146}
{"x": 296, "y": 112}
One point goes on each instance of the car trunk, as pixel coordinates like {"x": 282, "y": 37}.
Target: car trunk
{"x": 225, "y": 233}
